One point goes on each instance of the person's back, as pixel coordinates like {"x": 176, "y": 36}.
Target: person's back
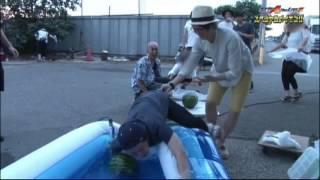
{"x": 247, "y": 28}
{"x": 42, "y": 35}
{"x": 152, "y": 109}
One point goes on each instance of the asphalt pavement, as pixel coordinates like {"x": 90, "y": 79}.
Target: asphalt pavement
{"x": 43, "y": 101}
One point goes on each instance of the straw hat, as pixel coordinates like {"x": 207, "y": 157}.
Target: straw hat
{"x": 202, "y": 15}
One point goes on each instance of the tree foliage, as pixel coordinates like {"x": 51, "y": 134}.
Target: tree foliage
{"x": 39, "y": 8}
{"x": 249, "y": 7}
{"x": 220, "y": 9}
{"x": 24, "y": 17}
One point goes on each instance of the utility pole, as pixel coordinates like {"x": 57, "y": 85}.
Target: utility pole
{"x": 81, "y": 7}
{"x": 109, "y": 7}
{"x": 262, "y": 30}
{"x": 139, "y": 8}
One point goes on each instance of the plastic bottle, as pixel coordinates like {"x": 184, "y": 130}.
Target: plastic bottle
{"x": 306, "y": 166}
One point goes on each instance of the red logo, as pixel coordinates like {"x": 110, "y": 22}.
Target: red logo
{"x": 276, "y": 10}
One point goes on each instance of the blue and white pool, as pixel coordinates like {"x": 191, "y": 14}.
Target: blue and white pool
{"x": 84, "y": 154}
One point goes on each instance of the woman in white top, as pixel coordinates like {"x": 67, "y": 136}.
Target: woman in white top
{"x": 227, "y": 19}
{"x": 295, "y": 37}
{"x": 232, "y": 68}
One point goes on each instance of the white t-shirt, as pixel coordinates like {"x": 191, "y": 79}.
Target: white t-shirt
{"x": 225, "y": 24}
{"x": 177, "y": 67}
{"x": 295, "y": 39}
{"x": 42, "y": 34}
{"x": 230, "y": 56}
{"x": 191, "y": 34}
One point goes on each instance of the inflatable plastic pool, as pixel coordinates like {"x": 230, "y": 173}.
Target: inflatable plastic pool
{"x": 83, "y": 154}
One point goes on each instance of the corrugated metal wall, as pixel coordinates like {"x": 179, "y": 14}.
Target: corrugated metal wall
{"x": 125, "y": 35}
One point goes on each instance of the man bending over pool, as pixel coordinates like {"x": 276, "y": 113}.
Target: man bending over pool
{"x": 146, "y": 126}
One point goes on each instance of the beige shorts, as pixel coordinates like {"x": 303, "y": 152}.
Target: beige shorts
{"x": 239, "y": 92}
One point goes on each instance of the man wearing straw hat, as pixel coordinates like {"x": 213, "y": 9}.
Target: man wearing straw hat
{"x": 232, "y": 68}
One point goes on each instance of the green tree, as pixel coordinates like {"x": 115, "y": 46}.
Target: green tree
{"x": 220, "y": 9}
{"x": 25, "y": 17}
{"x": 249, "y": 7}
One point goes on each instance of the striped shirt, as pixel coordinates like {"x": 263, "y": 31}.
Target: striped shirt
{"x": 145, "y": 72}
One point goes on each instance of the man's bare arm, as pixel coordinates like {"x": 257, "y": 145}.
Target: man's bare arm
{"x": 142, "y": 86}
{"x": 182, "y": 161}
{"x": 8, "y": 44}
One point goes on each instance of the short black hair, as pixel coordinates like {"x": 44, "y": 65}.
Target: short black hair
{"x": 224, "y": 12}
{"x": 239, "y": 14}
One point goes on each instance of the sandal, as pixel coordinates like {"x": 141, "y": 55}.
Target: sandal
{"x": 286, "y": 99}
{"x": 224, "y": 152}
{"x": 218, "y": 132}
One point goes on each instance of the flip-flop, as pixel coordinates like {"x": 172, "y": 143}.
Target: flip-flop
{"x": 224, "y": 152}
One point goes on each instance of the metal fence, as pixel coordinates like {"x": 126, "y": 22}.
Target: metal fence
{"x": 125, "y": 35}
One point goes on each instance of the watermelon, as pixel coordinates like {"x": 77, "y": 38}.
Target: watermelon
{"x": 123, "y": 165}
{"x": 189, "y": 100}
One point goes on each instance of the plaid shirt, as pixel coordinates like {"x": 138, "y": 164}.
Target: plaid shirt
{"x": 145, "y": 72}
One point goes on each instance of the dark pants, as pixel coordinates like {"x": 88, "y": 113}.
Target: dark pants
{"x": 289, "y": 69}
{"x": 251, "y": 51}
{"x": 162, "y": 80}
{"x": 42, "y": 48}
{"x": 184, "y": 118}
